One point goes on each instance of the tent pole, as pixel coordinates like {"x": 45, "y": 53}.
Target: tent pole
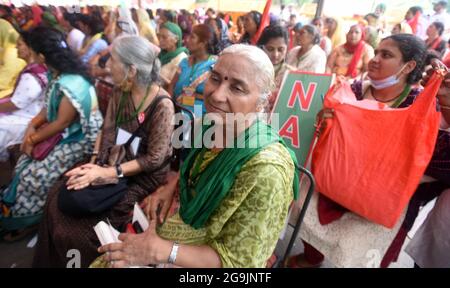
{"x": 319, "y": 11}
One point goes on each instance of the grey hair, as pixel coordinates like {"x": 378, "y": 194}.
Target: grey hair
{"x": 312, "y": 30}
{"x": 138, "y": 52}
{"x": 126, "y": 23}
{"x": 265, "y": 79}
{"x": 171, "y": 34}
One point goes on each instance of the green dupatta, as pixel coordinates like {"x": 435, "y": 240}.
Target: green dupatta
{"x": 81, "y": 94}
{"x": 216, "y": 181}
{"x": 165, "y": 57}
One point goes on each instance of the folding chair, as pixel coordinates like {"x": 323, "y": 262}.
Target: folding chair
{"x": 282, "y": 263}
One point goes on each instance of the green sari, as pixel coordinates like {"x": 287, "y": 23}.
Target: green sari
{"x": 240, "y": 202}
{"x": 252, "y": 204}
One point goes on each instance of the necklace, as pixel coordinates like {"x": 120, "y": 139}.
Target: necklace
{"x": 120, "y": 119}
{"x": 400, "y": 98}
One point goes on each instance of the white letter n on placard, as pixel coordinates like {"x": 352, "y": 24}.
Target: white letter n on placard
{"x": 298, "y": 91}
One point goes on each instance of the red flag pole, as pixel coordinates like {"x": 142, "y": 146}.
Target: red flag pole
{"x": 265, "y": 21}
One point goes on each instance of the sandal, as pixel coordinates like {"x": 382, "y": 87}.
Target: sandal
{"x": 299, "y": 261}
{"x": 17, "y": 235}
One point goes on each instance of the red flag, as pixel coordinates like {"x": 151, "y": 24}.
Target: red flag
{"x": 265, "y": 21}
{"x": 414, "y": 22}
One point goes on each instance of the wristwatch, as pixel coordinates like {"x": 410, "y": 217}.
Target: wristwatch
{"x": 119, "y": 171}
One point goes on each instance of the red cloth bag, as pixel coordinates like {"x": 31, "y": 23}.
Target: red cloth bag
{"x": 370, "y": 158}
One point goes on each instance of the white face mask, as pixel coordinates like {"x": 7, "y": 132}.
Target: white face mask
{"x": 387, "y": 82}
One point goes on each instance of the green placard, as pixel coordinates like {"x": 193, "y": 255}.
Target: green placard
{"x": 299, "y": 100}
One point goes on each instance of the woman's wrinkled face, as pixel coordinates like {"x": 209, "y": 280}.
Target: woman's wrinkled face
{"x": 166, "y": 39}
{"x": 249, "y": 24}
{"x": 388, "y": 61}
{"x": 276, "y": 49}
{"x": 232, "y": 88}
{"x": 23, "y": 51}
{"x": 303, "y": 37}
{"x": 354, "y": 35}
{"x": 117, "y": 68}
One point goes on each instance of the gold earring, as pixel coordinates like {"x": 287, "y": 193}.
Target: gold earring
{"x": 126, "y": 87}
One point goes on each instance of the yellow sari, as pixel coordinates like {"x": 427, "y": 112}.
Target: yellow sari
{"x": 339, "y": 36}
{"x": 10, "y": 64}
{"x": 145, "y": 27}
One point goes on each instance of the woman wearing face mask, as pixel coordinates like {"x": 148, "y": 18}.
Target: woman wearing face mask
{"x": 274, "y": 41}
{"x": 308, "y": 57}
{"x": 393, "y": 74}
{"x": 352, "y": 58}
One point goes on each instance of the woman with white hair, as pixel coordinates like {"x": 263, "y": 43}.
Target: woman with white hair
{"x": 233, "y": 202}
{"x": 173, "y": 51}
{"x": 135, "y": 69}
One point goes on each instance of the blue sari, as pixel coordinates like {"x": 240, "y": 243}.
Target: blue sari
{"x": 189, "y": 76}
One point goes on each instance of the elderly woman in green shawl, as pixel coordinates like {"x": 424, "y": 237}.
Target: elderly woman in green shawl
{"x": 234, "y": 201}
{"x": 171, "y": 43}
